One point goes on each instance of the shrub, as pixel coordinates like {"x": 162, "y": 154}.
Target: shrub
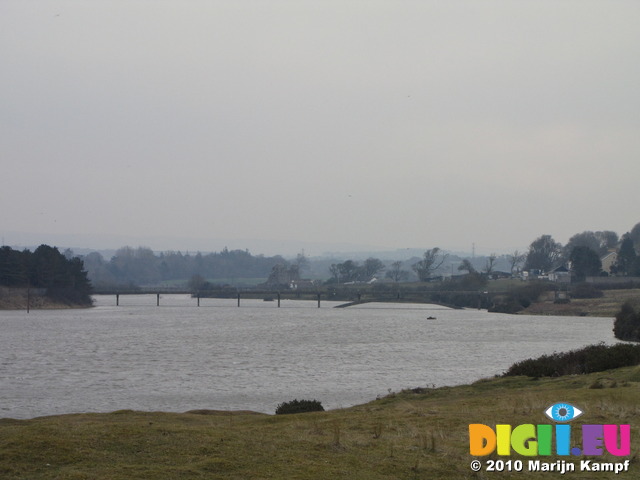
{"x": 586, "y": 290}
{"x": 594, "y": 358}
{"x": 627, "y": 323}
{"x": 521, "y": 297}
{"x": 562, "y": 301}
{"x": 508, "y": 304}
{"x": 299, "y": 406}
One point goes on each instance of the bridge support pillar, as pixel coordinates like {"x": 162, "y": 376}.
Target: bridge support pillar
{"x": 117, "y": 299}
{"x": 157, "y": 299}
{"x": 318, "y": 300}
{"x": 278, "y": 299}
{"x": 238, "y": 298}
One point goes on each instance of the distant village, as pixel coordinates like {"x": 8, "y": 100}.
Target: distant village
{"x": 596, "y": 257}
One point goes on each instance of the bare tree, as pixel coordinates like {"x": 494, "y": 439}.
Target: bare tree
{"x": 335, "y": 272}
{"x": 349, "y": 271}
{"x": 491, "y": 260}
{"x": 396, "y": 273}
{"x": 466, "y": 265}
{"x": 431, "y": 261}
{"x": 372, "y": 266}
{"x": 516, "y": 259}
{"x": 301, "y": 261}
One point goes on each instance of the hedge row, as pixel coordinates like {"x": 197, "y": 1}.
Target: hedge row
{"x": 594, "y": 358}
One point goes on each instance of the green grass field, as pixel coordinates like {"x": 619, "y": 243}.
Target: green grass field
{"x": 421, "y": 434}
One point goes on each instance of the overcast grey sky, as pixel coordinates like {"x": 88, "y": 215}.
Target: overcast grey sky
{"x": 388, "y": 123}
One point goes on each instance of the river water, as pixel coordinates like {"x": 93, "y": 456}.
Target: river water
{"x": 178, "y": 357}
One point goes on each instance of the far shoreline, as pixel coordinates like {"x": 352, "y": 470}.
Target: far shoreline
{"x": 606, "y": 306}
{"x": 17, "y": 299}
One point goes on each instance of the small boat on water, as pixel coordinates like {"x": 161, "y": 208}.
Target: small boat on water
{"x": 431, "y": 318}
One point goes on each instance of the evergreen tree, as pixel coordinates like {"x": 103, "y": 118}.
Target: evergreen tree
{"x": 14, "y": 271}
{"x": 64, "y": 279}
{"x": 626, "y": 255}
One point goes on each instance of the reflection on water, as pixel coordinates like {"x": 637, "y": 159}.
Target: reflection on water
{"x": 179, "y": 357}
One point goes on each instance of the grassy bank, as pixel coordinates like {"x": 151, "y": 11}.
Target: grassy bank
{"x": 413, "y": 434}
{"x": 606, "y": 306}
{"x": 16, "y": 299}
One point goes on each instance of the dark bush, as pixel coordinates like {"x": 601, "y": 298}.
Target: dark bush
{"x": 586, "y": 290}
{"x": 533, "y": 290}
{"x": 562, "y": 301}
{"x": 459, "y": 300}
{"x": 521, "y": 297}
{"x": 594, "y": 358}
{"x": 507, "y": 304}
{"x": 455, "y": 292}
{"x": 299, "y": 406}
{"x": 623, "y": 285}
{"x": 627, "y": 324}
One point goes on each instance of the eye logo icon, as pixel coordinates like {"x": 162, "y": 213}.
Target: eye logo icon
{"x": 562, "y": 412}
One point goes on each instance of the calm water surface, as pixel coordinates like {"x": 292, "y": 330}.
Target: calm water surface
{"x": 179, "y": 357}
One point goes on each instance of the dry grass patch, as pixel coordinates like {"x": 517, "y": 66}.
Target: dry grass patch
{"x": 606, "y": 306}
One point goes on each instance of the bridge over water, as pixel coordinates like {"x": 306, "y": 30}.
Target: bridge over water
{"x": 353, "y": 296}
{"x": 266, "y": 294}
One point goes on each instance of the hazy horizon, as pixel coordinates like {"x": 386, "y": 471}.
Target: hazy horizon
{"x": 286, "y": 248}
{"x": 81, "y": 244}
{"x": 305, "y": 125}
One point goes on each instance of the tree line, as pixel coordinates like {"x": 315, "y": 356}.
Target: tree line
{"x": 583, "y": 252}
{"x": 62, "y": 277}
{"x": 141, "y": 266}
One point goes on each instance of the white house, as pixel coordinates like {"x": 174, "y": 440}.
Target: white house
{"x": 560, "y": 275}
{"x": 608, "y": 261}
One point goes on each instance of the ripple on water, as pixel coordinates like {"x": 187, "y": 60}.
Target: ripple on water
{"x": 181, "y": 357}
